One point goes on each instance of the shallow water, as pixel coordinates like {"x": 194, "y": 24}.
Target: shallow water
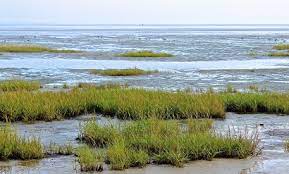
{"x": 206, "y": 56}
{"x": 272, "y": 160}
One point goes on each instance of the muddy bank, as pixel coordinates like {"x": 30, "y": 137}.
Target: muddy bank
{"x": 67, "y": 165}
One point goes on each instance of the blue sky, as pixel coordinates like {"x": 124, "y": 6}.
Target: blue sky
{"x": 144, "y": 12}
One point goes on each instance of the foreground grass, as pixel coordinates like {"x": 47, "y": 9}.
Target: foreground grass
{"x": 124, "y": 103}
{"x": 22, "y": 48}
{"x": 139, "y": 143}
{"x": 14, "y": 147}
{"x": 122, "y": 72}
{"x": 19, "y": 85}
{"x": 144, "y": 54}
{"x": 281, "y": 47}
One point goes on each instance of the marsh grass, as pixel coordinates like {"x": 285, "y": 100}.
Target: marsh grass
{"x": 139, "y": 143}
{"x": 144, "y": 54}
{"x": 278, "y": 54}
{"x": 102, "y": 86}
{"x": 256, "y": 102}
{"x": 14, "y": 147}
{"x": 98, "y": 136}
{"x": 22, "y": 48}
{"x": 122, "y": 72}
{"x": 135, "y": 104}
{"x": 281, "y": 47}
{"x": 19, "y": 85}
{"x": 90, "y": 159}
{"x": 123, "y": 103}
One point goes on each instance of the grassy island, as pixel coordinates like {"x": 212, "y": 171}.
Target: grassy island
{"x": 122, "y": 72}
{"x": 153, "y": 141}
{"x": 27, "y": 48}
{"x": 144, "y": 54}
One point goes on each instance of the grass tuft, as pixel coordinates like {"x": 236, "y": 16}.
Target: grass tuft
{"x": 144, "y": 54}
{"x": 22, "y": 48}
{"x": 98, "y": 136}
{"x": 122, "y": 72}
{"x": 171, "y": 142}
{"x": 14, "y": 147}
{"x": 19, "y": 85}
{"x": 89, "y": 159}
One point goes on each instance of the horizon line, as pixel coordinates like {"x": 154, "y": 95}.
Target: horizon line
{"x": 140, "y": 24}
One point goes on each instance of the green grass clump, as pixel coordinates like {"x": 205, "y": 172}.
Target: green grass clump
{"x": 22, "y": 48}
{"x": 144, "y": 54}
{"x": 122, "y": 72}
{"x": 171, "y": 142}
{"x": 99, "y": 136}
{"x": 257, "y": 102}
{"x": 19, "y": 85}
{"x": 89, "y": 159}
{"x": 121, "y": 157}
{"x": 124, "y": 103}
{"x": 14, "y": 147}
{"x": 281, "y": 47}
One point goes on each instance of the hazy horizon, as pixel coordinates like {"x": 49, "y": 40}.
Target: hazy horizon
{"x": 91, "y": 12}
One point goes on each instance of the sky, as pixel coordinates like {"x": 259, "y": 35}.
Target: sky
{"x": 144, "y": 12}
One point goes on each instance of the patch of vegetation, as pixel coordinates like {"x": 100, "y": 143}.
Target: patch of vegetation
{"x": 281, "y": 47}
{"x": 129, "y": 103}
{"x": 102, "y": 86}
{"x": 170, "y": 142}
{"x": 122, "y": 72}
{"x": 19, "y": 85}
{"x": 278, "y": 54}
{"x": 14, "y": 147}
{"x": 286, "y": 145}
{"x": 22, "y": 48}
{"x": 90, "y": 159}
{"x": 144, "y": 54}
{"x": 124, "y": 103}
{"x": 256, "y": 102}
{"x": 98, "y": 136}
